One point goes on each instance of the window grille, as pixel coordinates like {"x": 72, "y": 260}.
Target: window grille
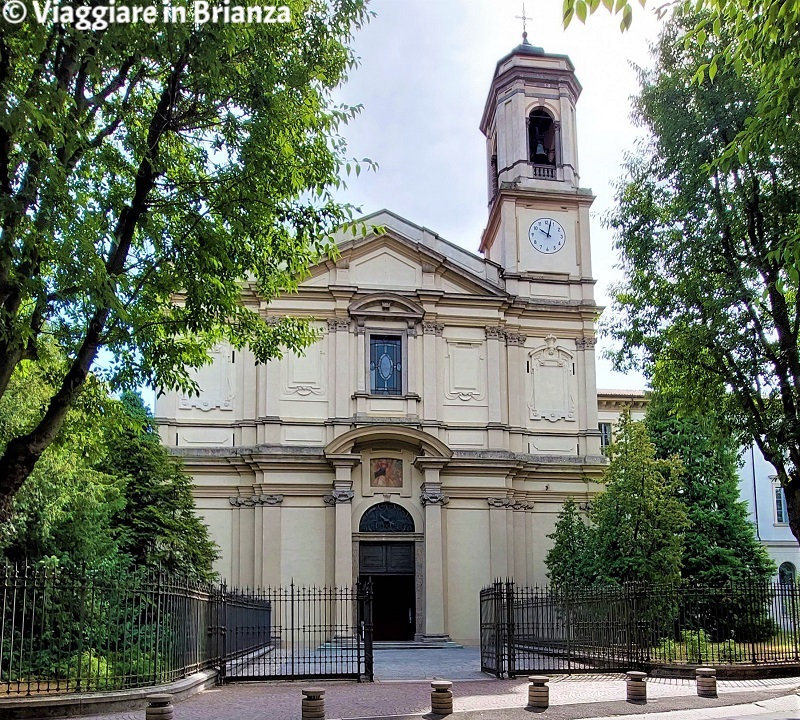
{"x": 386, "y": 365}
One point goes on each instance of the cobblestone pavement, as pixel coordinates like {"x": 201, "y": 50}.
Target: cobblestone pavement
{"x": 281, "y": 700}
{"x": 456, "y": 663}
{"x": 402, "y": 687}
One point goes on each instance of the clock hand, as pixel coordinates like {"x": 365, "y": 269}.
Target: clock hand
{"x": 549, "y": 227}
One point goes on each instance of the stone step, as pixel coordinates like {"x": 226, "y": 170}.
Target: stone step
{"x": 391, "y": 645}
{"x": 414, "y": 645}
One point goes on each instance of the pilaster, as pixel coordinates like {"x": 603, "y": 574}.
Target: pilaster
{"x": 341, "y": 499}
{"x": 588, "y": 395}
{"x": 430, "y": 401}
{"x": 498, "y": 537}
{"x": 433, "y": 500}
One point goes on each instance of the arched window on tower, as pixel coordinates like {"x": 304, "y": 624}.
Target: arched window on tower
{"x": 542, "y": 137}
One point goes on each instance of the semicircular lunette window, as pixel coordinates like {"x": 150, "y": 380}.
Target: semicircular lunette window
{"x": 386, "y": 517}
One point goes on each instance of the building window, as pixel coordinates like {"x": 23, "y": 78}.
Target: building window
{"x": 787, "y": 574}
{"x": 781, "y": 513}
{"x": 605, "y": 435}
{"x": 386, "y": 364}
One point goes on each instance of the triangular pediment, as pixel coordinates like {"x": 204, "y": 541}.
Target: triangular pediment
{"x": 391, "y": 261}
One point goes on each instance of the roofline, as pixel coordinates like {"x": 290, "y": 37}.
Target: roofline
{"x": 423, "y": 228}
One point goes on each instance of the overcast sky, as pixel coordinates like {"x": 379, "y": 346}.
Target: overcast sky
{"x": 423, "y": 80}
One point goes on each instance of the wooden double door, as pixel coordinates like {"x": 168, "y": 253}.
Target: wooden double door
{"x": 390, "y": 567}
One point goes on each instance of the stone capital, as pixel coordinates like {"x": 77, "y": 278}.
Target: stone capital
{"x": 585, "y": 343}
{"x": 495, "y": 333}
{"x": 254, "y": 500}
{"x": 515, "y": 339}
{"x": 338, "y": 496}
{"x": 431, "y": 328}
{"x": 336, "y": 324}
{"x": 433, "y": 496}
{"x": 498, "y": 502}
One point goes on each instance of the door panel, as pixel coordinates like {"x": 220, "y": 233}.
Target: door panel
{"x": 390, "y": 567}
{"x": 386, "y": 558}
{"x": 393, "y": 607}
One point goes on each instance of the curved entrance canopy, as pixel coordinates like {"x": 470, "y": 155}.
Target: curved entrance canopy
{"x": 428, "y": 444}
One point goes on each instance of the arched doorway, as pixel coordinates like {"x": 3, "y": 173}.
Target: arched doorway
{"x": 389, "y": 563}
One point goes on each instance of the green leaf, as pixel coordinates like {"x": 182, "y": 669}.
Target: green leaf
{"x": 627, "y": 18}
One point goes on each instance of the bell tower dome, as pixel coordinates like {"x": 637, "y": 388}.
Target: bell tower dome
{"x": 538, "y": 213}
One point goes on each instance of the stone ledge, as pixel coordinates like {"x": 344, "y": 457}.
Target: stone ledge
{"x": 53, "y": 706}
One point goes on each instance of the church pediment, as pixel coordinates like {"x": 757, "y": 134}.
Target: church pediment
{"x": 385, "y": 305}
{"x": 385, "y": 267}
{"x": 393, "y": 262}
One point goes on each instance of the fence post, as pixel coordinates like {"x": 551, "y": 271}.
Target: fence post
{"x": 223, "y": 631}
{"x": 291, "y": 620}
{"x": 158, "y": 627}
{"x": 368, "y": 656}
{"x": 499, "y": 633}
{"x": 792, "y": 590}
{"x": 512, "y": 658}
{"x": 82, "y": 625}
{"x": 568, "y": 627}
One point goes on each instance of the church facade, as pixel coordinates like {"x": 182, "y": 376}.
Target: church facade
{"x": 431, "y": 435}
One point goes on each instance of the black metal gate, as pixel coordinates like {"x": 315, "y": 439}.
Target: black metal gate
{"x": 532, "y": 630}
{"x": 638, "y": 627}
{"x": 296, "y": 633}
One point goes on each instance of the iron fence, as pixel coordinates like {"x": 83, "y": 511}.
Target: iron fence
{"x": 597, "y": 629}
{"x": 67, "y": 631}
{"x": 73, "y": 630}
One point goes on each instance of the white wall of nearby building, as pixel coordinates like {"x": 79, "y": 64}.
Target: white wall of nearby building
{"x": 767, "y": 507}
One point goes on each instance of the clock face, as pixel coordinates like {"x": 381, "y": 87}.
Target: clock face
{"x": 546, "y": 235}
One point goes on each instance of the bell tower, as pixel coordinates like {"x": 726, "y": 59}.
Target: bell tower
{"x": 538, "y": 228}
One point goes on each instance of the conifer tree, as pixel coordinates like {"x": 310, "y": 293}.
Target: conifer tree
{"x": 638, "y": 521}
{"x": 720, "y": 544}
{"x": 568, "y": 562}
{"x": 158, "y": 525}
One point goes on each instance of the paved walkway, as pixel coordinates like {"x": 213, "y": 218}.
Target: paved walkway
{"x": 570, "y": 696}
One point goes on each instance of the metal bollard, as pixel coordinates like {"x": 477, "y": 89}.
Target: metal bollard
{"x": 159, "y": 707}
{"x": 707, "y": 682}
{"x": 313, "y": 703}
{"x": 441, "y": 697}
{"x": 538, "y": 692}
{"x": 637, "y": 687}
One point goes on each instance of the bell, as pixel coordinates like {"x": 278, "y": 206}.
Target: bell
{"x": 540, "y": 155}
